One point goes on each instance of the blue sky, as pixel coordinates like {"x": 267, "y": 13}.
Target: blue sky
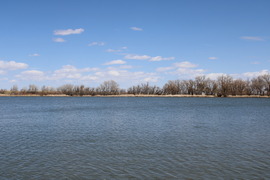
{"x": 90, "y": 41}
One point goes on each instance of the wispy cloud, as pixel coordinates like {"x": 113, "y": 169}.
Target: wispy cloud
{"x": 136, "y": 29}
{"x": 185, "y": 64}
{"x": 34, "y": 55}
{"x": 59, "y": 40}
{"x": 115, "y": 62}
{"x": 127, "y": 77}
{"x": 252, "y": 38}
{"x": 70, "y": 72}
{"x": 68, "y": 32}
{"x": 189, "y": 72}
{"x": 96, "y": 44}
{"x": 12, "y": 65}
{"x": 114, "y": 50}
{"x": 2, "y": 72}
{"x": 32, "y": 75}
{"x": 114, "y": 73}
{"x": 184, "y": 69}
{"x": 163, "y": 69}
{"x": 255, "y": 62}
{"x": 137, "y": 57}
{"x": 117, "y": 50}
{"x": 149, "y": 58}
{"x": 72, "y": 69}
{"x": 213, "y": 58}
{"x": 160, "y": 58}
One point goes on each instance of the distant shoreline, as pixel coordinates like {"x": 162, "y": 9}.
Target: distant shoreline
{"x": 132, "y": 95}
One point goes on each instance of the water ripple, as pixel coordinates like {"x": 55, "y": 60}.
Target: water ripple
{"x": 134, "y": 138}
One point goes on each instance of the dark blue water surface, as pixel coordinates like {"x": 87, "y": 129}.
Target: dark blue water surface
{"x": 134, "y": 138}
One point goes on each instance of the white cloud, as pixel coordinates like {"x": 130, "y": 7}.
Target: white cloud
{"x": 159, "y": 58}
{"x": 246, "y": 75}
{"x": 252, "y": 38}
{"x": 136, "y": 29}
{"x": 2, "y": 72}
{"x": 117, "y": 50}
{"x": 115, "y": 62}
{"x": 149, "y": 58}
{"x": 59, "y": 40}
{"x": 255, "y": 74}
{"x": 13, "y": 81}
{"x": 100, "y": 74}
{"x": 114, "y": 73}
{"x": 185, "y": 64}
{"x": 114, "y": 50}
{"x": 96, "y": 44}
{"x": 184, "y": 69}
{"x": 32, "y": 75}
{"x": 126, "y": 77}
{"x": 190, "y": 72}
{"x": 72, "y": 69}
{"x": 74, "y": 76}
{"x": 213, "y": 58}
{"x": 71, "y": 72}
{"x": 12, "y": 65}
{"x": 137, "y": 57}
{"x": 68, "y": 32}
{"x": 214, "y": 75}
{"x": 162, "y": 69}
{"x": 89, "y": 78}
{"x": 144, "y": 77}
{"x": 151, "y": 79}
{"x": 33, "y": 55}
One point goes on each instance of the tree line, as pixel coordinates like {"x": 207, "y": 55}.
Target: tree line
{"x": 223, "y": 86}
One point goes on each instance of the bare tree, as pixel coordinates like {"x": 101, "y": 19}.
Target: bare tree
{"x": 90, "y": 91}
{"x": 3, "y": 91}
{"x": 171, "y": 87}
{"x": 33, "y": 89}
{"x": 67, "y": 89}
{"x": 211, "y": 87}
{"x": 266, "y": 80}
{"x": 238, "y": 87}
{"x": 200, "y": 84}
{"x": 257, "y": 85}
{"x": 248, "y": 89}
{"x": 109, "y": 88}
{"x": 224, "y": 85}
{"x": 189, "y": 85}
{"x": 14, "y": 89}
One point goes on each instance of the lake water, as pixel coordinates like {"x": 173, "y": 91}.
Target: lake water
{"x": 134, "y": 138}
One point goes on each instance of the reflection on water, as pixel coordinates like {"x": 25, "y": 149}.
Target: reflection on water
{"x": 134, "y": 138}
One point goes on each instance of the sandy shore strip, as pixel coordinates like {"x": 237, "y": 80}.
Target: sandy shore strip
{"x": 132, "y": 95}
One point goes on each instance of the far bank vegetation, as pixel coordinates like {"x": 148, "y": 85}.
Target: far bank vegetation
{"x": 223, "y": 86}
